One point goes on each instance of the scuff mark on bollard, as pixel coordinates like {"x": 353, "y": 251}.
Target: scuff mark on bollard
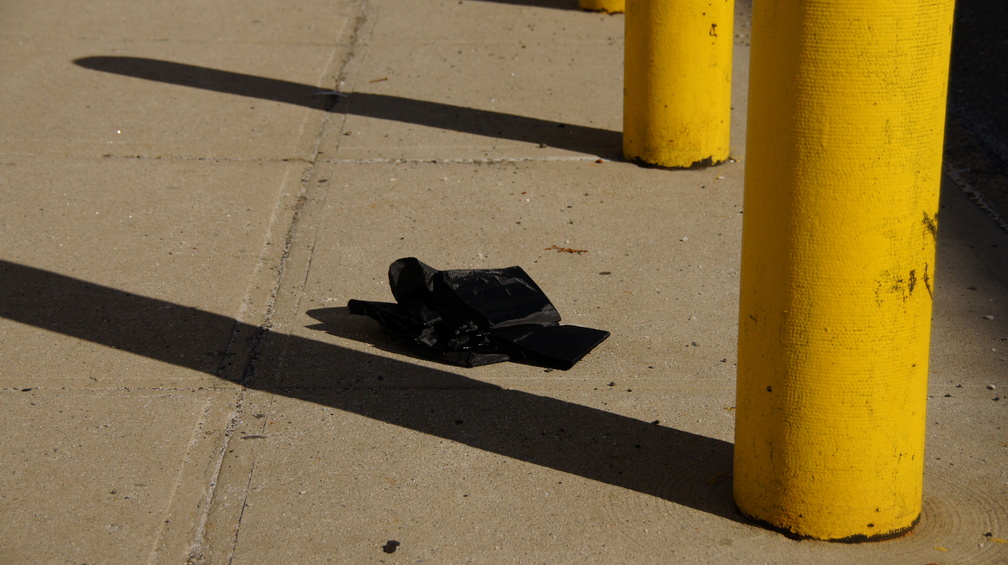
{"x": 931, "y": 223}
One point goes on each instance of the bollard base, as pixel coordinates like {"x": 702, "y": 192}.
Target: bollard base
{"x": 701, "y": 164}
{"x": 604, "y": 6}
{"x": 857, "y": 538}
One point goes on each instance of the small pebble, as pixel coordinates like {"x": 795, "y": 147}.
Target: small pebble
{"x": 390, "y": 546}
{"x": 989, "y": 317}
{"x": 991, "y": 387}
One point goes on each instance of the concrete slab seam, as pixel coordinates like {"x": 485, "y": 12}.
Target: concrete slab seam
{"x": 193, "y": 439}
{"x": 241, "y": 514}
{"x": 265, "y": 322}
{"x": 199, "y": 540}
{"x": 489, "y": 161}
{"x": 140, "y": 157}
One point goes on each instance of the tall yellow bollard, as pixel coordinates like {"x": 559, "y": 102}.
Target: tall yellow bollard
{"x": 677, "y": 82}
{"x": 846, "y": 122}
{"x": 607, "y": 6}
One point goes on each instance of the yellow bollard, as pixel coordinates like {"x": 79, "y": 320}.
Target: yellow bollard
{"x": 607, "y": 6}
{"x": 846, "y": 122}
{"x": 677, "y": 82}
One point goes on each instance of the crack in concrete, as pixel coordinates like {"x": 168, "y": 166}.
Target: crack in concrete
{"x": 254, "y": 348}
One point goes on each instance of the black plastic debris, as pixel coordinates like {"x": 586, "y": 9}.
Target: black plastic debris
{"x": 473, "y": 317}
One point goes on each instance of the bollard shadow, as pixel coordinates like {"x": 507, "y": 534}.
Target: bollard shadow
{"x": 678, "y": 466}
{"x": 584, "y": 139}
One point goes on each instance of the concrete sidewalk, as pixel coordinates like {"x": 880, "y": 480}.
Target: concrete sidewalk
{"x": 185, "y": 211}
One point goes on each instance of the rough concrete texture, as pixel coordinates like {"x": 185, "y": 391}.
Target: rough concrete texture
{"x": 185, "y": 213}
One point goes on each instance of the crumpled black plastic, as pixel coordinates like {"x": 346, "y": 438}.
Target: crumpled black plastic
{"x": 473, "y": 317}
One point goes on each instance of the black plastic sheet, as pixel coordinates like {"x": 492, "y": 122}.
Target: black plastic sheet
{"x": 473, "y": 317}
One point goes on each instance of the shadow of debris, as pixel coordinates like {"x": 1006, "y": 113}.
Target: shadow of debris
{"x": 339, "y": 322}
{"x": 678, "y": 466}
{"x": 603, "y": 143}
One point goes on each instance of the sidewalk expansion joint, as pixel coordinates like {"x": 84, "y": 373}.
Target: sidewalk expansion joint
{"x": 199, "y": 541}
{"x": 138, "y": 157}
{"x": 141, "y": 389}
{"x": 142, "y": 157}
{"x": 166, "y": 39}
{"x": 298, "y": 391}
{"x": 487, "y": 161}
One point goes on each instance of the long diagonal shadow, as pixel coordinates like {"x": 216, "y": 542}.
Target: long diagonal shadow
{"x": 601, "y": 142}
{"x": 678, "y": 466}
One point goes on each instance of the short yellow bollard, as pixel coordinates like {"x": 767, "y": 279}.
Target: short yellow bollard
{"x": 607, "y": 6}
{"x": 677, "y": 82}
{"x": 846, "y": 122}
